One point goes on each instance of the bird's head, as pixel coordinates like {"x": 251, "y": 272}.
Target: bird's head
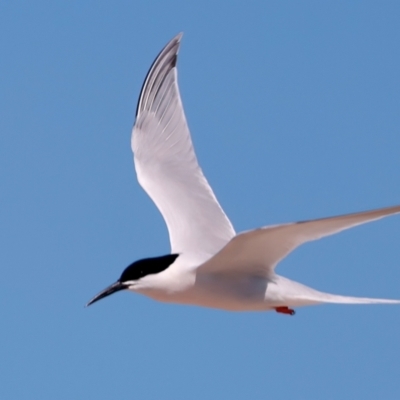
{"x": 134, "y": 273}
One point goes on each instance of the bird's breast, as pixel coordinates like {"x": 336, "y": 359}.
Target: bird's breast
{"x": 228, "y": 291}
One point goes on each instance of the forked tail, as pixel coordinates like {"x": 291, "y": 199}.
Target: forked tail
{"x": 296, "y": 294}
{"x": 333, "y": 298}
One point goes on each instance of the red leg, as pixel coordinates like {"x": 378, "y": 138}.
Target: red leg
{"x": 285, "y": 310}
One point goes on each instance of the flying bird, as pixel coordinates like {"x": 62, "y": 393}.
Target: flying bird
{"x": 210, "y": 264}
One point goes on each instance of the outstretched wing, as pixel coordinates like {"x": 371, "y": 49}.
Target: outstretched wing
{"x": 260, "y": 250}
{"x": 167, "y": 167}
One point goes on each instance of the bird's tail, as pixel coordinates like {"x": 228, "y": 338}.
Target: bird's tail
{"x": 333, "y": 298}
{"x": 299, "y": 295}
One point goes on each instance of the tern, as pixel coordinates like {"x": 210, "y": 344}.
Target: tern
{"x": 210, "y": 265}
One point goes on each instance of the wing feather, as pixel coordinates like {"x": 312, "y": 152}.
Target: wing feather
{"x": 260, "y": 250}
{"x": 167, "y": 167}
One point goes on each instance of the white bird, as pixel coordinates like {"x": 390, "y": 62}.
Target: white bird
{"x": 210, "y": 265}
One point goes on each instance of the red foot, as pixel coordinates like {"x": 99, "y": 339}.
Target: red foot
{"x": 285, "y": 310}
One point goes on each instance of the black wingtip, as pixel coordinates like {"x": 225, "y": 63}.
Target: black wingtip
{"x": 168, "y": 54}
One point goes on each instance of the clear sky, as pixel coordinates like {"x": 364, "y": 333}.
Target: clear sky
{"x": 294, "y": 113}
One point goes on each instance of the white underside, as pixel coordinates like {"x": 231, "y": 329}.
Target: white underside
{"x": 240, "y": 292}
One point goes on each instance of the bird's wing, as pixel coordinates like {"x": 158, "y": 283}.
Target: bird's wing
{"x": 259, "y": 251}
{"x": 167, "y": 168}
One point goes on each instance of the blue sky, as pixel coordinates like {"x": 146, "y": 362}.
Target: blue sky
{"x": 294, "y": 113}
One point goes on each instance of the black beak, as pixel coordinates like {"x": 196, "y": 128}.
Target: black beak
{"x": 115, "y": 287}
